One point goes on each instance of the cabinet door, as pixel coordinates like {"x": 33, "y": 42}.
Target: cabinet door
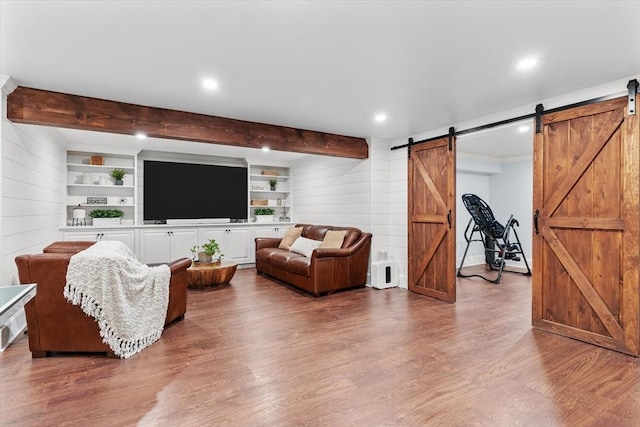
{"x": 182, "y": 240}
{"x": 280, "y": 231}
{"x": 155, "y": 246}
{"x": 264, "y": 232}
{"x": 217, "y": 234}
{"x": 82, "y": 236}
{"x": 237, "y": 244}
{"x": 124, "y": 236}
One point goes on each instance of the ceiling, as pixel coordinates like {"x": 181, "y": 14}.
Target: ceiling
{"x": 327, "y": 66}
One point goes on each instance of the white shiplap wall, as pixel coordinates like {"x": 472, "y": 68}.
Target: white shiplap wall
{"x": 332, "y": 191}
{"x": 398, "y": 217}
{"x": 512, "y": 194}
{"x": 353, "y": 193}
{"x": 32, "y": 190}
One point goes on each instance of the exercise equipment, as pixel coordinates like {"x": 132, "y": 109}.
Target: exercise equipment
{"x": 495, "y": 237}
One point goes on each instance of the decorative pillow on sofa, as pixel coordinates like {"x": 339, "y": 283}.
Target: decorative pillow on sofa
{"x": 289, "y": 237}
{"x": 333, "y": 239}
{"x": 305, "y": 246}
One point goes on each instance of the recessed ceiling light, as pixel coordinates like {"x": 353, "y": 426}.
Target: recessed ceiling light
{"x": 523, "y": 129}
{"x": 527, "y": 63}
{"x": 265, "y": 149}
{"x": 380, "y": 117}
{"x": 209, "y": 84}
{"x": 141, "y": 135}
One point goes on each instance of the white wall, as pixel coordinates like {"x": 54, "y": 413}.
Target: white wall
{"x": 31, "y": 193}
{"x": 398, "y": 219}
{"x": 332, "y": 191}
{"x": 348, "y": 192}
{"x": 512, "y": 194}
{"x": 478, "y": 184}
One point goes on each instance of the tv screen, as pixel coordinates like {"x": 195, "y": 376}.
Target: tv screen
{"x": 193, "y": 191}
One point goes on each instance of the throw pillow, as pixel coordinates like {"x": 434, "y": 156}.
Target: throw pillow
{"x": 333, "y": 239}
{"x": 289, "y": 237}
{"x": 305, "y": 246}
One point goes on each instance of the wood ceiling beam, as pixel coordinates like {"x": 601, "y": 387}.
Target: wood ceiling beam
{"x": 46, "y": 108}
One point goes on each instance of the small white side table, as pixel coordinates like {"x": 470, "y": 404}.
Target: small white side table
{"x": 12, "y": 318}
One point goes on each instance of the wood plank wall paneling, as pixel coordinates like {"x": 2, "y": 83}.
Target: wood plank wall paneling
{"x": 398, "y": 219}
{"x": 332, "y": 191}
{"x": 33, "y": 173}
{"x": 41, "y": 107}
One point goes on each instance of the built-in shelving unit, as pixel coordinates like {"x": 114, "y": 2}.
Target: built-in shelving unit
{"x": 261, "y": 195}
{"x": 91, "y": 186}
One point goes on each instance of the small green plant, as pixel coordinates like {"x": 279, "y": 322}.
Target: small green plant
{"x": 263, "y": 211}
{"x": 210, "y": 248}
{"x": 117, "y": 174}
{"x": 273, "y": 182}
{"x": 106, "y": 213}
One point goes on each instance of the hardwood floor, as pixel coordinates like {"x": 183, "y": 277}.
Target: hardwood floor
{"x": 257, "y": 353}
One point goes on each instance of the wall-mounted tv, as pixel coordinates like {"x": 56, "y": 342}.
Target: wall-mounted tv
{"x": 189, "y": 191}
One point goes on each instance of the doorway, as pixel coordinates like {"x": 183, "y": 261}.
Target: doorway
{"x": 497, "y": 165}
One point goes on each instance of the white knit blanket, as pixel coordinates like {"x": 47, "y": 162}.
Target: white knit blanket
{"x": 127, "y": 298}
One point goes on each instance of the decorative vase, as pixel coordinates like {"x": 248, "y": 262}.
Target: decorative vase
{"x": 273, "y": 188}
{"x": 87, "y": 178}
{"x": 119, "y": 182}
{"x": 202, "y": 257}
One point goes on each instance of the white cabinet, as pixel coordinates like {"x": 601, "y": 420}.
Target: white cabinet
{"x": 262, "y": 195}
{"x": 90, "y": 185}
{"x": 165, "y": 245}
{"x": 125, "y": 236}
{"x": 235, "y": 243}
{"x": 277, "y": 231}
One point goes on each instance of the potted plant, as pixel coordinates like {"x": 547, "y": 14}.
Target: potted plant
{"x": 263, "y": 214}
{"x": 117, "y": 174}
{"x": 273, "y": 182}
{"x": 102, "y": 217}
{"x": 206, "y": 252}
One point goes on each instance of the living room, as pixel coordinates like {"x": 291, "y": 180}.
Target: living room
{"x": 370, "y": 194}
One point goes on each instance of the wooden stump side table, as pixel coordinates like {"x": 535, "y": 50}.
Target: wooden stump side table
{"x": 200, "y": 276}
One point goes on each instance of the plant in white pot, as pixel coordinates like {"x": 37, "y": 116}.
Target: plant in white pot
{"x": 264, "y": 214}
{"x": 106, "y": 217}
{"x": 207, "y": 252}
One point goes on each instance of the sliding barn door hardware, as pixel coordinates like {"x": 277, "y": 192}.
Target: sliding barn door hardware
{"x": 539, "y": 110}
{"x": 451, "y": 134}
{"x": 633, "y": 90}
{"x": 409, "y": 147}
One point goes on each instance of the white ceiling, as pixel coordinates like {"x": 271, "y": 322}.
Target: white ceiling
{"x": 323, "y": 65}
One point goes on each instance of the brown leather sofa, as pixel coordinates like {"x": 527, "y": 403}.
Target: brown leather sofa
{"x": 56, "y": 325}
{"x": 327, "y": 270}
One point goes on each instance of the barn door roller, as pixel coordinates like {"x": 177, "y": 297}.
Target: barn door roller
{"x": 452, "y": 132}
{"x": 633, "y": 90}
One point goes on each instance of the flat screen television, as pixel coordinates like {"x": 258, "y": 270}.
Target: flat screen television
{"x": 189, "y": 191}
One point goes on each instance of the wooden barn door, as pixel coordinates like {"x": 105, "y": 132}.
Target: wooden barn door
{"x": 431, "y": 200}
{"x": 586, "y": 225}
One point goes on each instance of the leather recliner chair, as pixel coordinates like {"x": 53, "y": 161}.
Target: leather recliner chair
{"x": 56, "y": 325}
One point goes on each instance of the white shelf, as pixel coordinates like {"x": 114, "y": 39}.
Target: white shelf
{"x": 78, "y": 164}
{"x": 117, "y": 187}
{"x": 270, "y": 192}
{"x": 268, "y": 177}
{"x": 81, "y": 167}
{"x": 282, "y": 191}
{"x": 96, "y": 206}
